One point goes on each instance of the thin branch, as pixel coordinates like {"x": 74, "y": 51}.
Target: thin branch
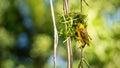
{"x": 66, "y": 6}
{"x": 69, "y": 48}
{"x": 71, "y": 56}
{"x": 86, "y": 63}
{"x": 55, "y": 32}
{"x": 81, "y": 6}
{"x": 81, "y": 59}
{"x": 85, "y": 2}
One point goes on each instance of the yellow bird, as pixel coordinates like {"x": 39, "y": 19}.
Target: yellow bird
{"x": 82, "y": 34}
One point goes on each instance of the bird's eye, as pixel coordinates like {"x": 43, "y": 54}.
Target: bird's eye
{"x": 76, "y": 34}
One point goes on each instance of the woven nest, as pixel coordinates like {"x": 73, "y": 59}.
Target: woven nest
{"x": 68, "y": 23}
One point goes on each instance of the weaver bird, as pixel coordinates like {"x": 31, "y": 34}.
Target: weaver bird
{"x": 82, "y": 34}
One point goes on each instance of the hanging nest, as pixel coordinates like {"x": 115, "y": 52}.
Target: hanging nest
{"x": 74, "y": 25}
{"x": 69, "y": 22}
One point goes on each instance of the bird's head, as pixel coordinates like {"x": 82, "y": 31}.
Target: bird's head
{"x": 80, "y": 26}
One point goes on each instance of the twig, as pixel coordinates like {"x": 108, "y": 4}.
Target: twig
{"x": 66, "y": 6}
{"x": 81, "y": 59}
{"x": 86, "y": 63}
{"x": 69, "y": 49}
{"x": 55, "y": 32}
{"x": 85, "y": 2}
{"x": 81, "y": 6}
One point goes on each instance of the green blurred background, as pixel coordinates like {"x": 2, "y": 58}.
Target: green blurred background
{"x": 26, "y": 34}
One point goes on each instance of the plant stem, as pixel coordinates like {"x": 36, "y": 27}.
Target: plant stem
{"x": 81, "y": 59}
{"x": 55, "y": 32}
{"x": 81, "y": 6}
{"x": 85, "y": 2}
{"x": 69, "y": 49}
{"x": 86, "y": 63}
{"x": 66, "y": 6}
